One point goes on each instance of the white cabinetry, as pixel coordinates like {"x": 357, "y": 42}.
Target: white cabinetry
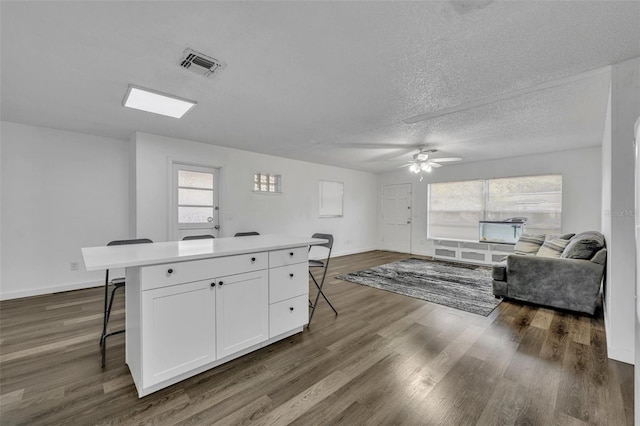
{"x": 471, "y": 252}
{"x": 242, "y": 312}
{"x": 186, "y": 317}
{"x": 179, "y": 330}
{"x": 288, "y": 290}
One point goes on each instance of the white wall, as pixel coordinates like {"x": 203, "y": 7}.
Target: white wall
{"x": 618, "y": 219}
{"x": 293, "y": 212}
{"x": 606, "y": 206}
{"x": 60, "y": 191}
{"x": 580, "y": 171}
{"x": 637, "y": 219}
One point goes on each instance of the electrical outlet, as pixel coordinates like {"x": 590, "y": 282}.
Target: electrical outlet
{"x": 73, "y": 266}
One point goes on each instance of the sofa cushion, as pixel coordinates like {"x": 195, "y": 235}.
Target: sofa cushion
{"x": 584, "y": 246}
{"x": 499, "y": 271}
{"x": 528, "y": 244}
{"x": 562, "y": 237}
{"x": 600, "y": 257}
{"x": 552, "y": 248}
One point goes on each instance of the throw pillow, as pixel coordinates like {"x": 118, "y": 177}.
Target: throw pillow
{"x": 552, "y": 248}
{"x": 528, "y": 244}
{"x": 584, "y": 246}
{"x": 562, "y": 237}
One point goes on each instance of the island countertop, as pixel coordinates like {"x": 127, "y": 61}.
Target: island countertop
{"x": 107, "y": 257}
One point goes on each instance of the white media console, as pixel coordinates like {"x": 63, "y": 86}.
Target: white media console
{"x": 193, "y": 305}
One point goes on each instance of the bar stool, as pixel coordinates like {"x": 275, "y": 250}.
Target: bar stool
{"x": 117, "y": 283}
{"x": 246, "y": 234}
{"x": 324, "y": 264}
{"x": 197, "y": 237}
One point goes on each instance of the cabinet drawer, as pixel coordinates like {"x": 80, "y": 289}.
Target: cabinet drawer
{"x": 288, "y": 256}
{"x": 159, "y": 276}
{"x": 288, "y": 314}
{"x": 288, "y": 281}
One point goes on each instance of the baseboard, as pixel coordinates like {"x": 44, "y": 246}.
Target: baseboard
{"x": 49, "y": 290}
{"x": 354, "y": 251}
{"x": 423, "y": 253}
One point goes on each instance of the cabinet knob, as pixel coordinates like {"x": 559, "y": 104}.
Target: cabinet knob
{"x": 213, "y": 284}
{"x": 290, "y": 253}
{"x": 253, "y": 259}
{"x": 169, "y": 271}
{"x": 290, "y": 275}
{"x": 291, "y": 308}
{"x": 220, "y": 283}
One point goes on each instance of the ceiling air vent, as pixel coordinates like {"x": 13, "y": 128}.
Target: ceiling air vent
{"x": 200, "y": 64}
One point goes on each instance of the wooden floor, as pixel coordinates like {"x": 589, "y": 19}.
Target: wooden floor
{"x": 385, "y": 359}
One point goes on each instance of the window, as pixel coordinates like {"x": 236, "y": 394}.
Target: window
{"x": 456, "y": 207}
{"x": 264, "y": 182}
{"x": 195, "y": 197}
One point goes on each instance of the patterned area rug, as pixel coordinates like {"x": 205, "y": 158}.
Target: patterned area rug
{"x": 459, "y": 286}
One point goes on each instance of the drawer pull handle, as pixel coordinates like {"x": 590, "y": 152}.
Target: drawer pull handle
{"x": 291, "y": 308}
{"x": 290, "y": 275}
{"x": 291, "y": 253}
{"x": 220, "y": 283}
{"x": 169, "y": 271}
{"x": 253, "y": 259}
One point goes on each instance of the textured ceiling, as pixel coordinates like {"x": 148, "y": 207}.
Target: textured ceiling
{"x": 323, "y": 81}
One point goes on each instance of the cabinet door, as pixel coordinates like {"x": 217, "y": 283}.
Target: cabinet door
{"x": 242, "y": 312}
{"x": 178, "y": 330}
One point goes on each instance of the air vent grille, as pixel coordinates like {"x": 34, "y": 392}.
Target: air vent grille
{"x": 200, "y": 63}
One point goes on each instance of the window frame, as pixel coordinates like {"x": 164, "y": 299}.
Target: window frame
{"x": 485, "y": 205}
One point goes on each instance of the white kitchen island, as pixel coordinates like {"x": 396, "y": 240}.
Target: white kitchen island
{"x": 193, "y": 305}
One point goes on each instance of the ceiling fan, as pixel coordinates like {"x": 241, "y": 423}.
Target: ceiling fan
{"x": 422, "y": 162}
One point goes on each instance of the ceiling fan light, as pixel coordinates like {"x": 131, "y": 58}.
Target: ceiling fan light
{"x": 415, "y": 168}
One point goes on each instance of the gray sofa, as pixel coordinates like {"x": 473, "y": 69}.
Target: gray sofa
{"x": 571, "y": 281}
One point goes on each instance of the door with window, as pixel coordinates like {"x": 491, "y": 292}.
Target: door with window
{"x": 396, "y": 218}
{"x": 195, "y": 208}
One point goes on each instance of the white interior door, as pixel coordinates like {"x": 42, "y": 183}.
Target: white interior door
{"x": 396, "y": 218}
{"x": 195, "y": 209}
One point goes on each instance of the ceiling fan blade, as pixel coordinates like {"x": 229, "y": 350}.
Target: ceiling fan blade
{"x": 434, "y": 165}
{"x": 446, "y": 160}
{"x": 400, "y": 154}
{"x": 373, "y": 145}
{"x": 405, "y": 165}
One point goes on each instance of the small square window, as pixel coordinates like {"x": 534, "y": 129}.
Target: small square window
{"x": 267, "y": 183}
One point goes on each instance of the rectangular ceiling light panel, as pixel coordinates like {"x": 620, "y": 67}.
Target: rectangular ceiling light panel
{"x": 156, "y": 102}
